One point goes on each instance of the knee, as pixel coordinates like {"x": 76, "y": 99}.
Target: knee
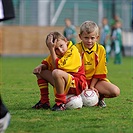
{"x": 116, "y": 92}
{"x": 55, "y": 73}
{"x": 37, "y": 75}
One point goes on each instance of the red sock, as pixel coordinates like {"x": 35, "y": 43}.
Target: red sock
{"x": 43, "y": 85}
{"x": 60, "y": 99}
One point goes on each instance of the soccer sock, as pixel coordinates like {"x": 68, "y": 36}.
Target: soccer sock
{"x": 60, "y": 98}
{"x": 44, "y": 93}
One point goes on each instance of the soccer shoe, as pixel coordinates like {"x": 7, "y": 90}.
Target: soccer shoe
{"x": 40, "y": 105}
{"x": 60, "y": 107}
{"x": 101, "y": 104}
{"x": 4, "y": 122}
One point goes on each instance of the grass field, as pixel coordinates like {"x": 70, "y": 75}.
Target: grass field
{"x": 20, "y": 92}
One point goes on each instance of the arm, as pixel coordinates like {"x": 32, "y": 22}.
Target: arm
{"x": 93, "y": 83}
{"x": 39, "y": 68}
{"x": 51, "y": 47}
{"x": 114, "y": 35}
{"x": 107, "y": 39}
{"x": 107, "y": 34}
{"x": 101, "y": 66}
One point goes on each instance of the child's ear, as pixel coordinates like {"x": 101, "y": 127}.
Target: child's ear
{"x": 66, "y": 40}
{"x": 97, "y": 37}
{"x": 80, "y": 36}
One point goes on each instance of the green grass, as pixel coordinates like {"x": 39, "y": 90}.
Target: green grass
{"x": 20, "y": 92}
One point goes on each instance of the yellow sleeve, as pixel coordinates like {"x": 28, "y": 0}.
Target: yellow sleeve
{"x": 100, "y": 60}
{"x": 79, "y": 47}
{"x": 48, "y": 62}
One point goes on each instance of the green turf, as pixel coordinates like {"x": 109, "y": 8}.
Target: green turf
{"x": 20, "y": 92}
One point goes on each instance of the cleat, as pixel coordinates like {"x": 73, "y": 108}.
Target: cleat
{"x": 60, "y": 107}
{"x": 102, "y": 104}
{"x": 40, "y": 105}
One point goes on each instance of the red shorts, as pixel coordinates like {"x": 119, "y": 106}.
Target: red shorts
{"x": 75, "y": 85}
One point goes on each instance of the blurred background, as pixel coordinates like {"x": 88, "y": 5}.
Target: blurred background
{"x": 34, "y": 19}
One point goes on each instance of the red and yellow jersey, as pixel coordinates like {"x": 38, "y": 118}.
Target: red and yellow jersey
{"x": 94, "y": 61}
{"x": 71, "y": 62}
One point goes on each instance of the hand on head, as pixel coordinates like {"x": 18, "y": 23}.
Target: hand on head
{"x": 50, "y": 41}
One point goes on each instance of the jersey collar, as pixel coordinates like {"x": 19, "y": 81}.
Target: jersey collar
{"x": 93, "y": 49}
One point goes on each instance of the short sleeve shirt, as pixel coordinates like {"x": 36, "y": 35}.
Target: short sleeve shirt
{"x": 94, "y": 61}
{"x": 70, "y": 62}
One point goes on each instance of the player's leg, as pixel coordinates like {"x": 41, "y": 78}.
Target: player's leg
{"x": 60, "y": 79}
{"x": 46, "y": 75}
{"x": 106, "y": 90}
{"x": 43, "y": 79}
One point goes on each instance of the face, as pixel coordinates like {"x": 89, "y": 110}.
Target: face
{"x": 88, "y": 39}
{"x": 68, "y": 23}
{"x": 118, "y": 25}
{"x": 61, "y": 47}
{"x": 104, "y": 21}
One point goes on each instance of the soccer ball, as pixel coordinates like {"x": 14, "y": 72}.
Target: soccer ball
{"x": 89, "y": 97}
{"x": 73, "y": 102}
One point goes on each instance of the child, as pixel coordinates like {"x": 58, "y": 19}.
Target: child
{"x": 94, "y": 57}
{"x": 70, "y": 31}
{"x": 105, "y": 37}
{"x": 117, "y": 39}
{"x": 63, "y": 69}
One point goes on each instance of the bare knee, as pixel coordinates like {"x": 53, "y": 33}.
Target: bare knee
{"x": 55, "y": 73}
{"x": 37, "y": 75}
{"x": 116, "y": 92}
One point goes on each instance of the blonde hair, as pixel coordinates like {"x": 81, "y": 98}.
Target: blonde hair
{"x": 89, "y": 27}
